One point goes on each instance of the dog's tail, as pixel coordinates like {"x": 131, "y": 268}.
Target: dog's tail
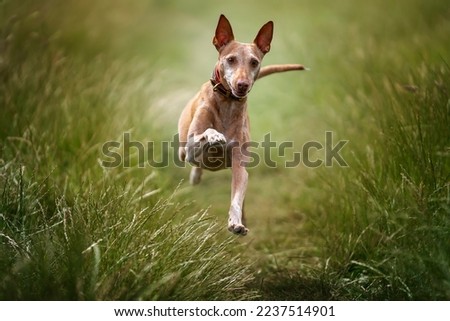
{"x": 271, "y": 69}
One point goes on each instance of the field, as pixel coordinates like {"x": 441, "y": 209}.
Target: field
{"x": 76, "y": 75}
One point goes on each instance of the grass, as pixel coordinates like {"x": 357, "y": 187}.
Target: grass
{"x": 77, "y": 75}
{"x": 394, "y": 244}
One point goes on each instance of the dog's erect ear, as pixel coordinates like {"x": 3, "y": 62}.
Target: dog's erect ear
{"x": 224, "y": 33}
{"x": 264, "y": 37}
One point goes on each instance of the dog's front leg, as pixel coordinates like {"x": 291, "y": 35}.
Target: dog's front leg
{"x": 196, "y": 143}
{"x": 195, "y": 151}
{"x": 238, "y": 187}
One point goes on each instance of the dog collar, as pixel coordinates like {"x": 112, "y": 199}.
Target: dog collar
{"x": 219, "y": 88}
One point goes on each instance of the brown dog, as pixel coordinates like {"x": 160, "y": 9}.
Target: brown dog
{"x": 214, "y": 126}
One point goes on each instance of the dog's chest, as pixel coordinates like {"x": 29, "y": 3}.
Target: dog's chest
{"x": 232, "y": 121}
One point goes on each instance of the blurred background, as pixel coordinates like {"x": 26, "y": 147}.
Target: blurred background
{"x": 77, "y": 74}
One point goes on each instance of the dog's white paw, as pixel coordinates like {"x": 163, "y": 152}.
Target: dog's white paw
{"x": 212, "y": 136}
{"x": 235, "y": 221}
{"x": 238, "y": 229}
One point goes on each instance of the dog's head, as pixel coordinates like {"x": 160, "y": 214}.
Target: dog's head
{"x": 239, "y": 63}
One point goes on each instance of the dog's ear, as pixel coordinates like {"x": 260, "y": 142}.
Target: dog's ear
{"x": 224, "y": 33}
{"x": 264, "y": 37}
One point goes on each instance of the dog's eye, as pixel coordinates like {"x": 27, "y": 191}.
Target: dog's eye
{"x": 254, "y": 63}
{"x": 231, "y": 60}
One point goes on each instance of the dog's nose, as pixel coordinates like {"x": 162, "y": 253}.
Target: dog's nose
{"x": 243, "y": 86}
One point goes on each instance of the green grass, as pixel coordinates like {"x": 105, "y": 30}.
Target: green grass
{"x": 75, "y": 76}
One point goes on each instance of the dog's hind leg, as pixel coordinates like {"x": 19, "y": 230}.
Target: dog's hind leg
{"x": 195, "y": 176}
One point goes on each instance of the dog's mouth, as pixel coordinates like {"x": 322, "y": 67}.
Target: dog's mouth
{"x": 239, "y": 93}
{"x": 239, "y": 86}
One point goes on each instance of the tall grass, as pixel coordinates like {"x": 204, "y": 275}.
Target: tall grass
{"x": 378, "y": 229}
{"x": 107, "y": 244}
{"x": 386, "y": 232}
{"x": 70, "y": 229}
{"x": 77, "y": 74}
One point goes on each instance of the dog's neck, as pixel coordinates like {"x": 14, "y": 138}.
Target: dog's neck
{"x": 218, "y": 87}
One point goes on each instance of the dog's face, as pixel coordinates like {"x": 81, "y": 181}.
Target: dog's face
{"x": 239, "y": 63}
{"x": 239, "y": 67}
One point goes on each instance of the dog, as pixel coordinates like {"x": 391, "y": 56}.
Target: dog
{"x": 214, "y": 126}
